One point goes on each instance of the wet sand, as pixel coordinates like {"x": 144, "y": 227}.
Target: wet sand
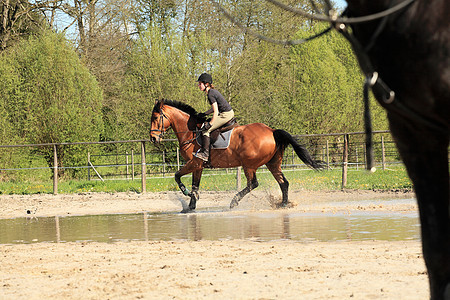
{"x": 229, "y": 269}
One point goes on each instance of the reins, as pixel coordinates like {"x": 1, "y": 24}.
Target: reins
{"x": 332, "y": 17}
{"x": 373, "y": 80}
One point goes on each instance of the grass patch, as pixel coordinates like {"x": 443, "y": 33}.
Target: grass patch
{"x": 394, "y": 178}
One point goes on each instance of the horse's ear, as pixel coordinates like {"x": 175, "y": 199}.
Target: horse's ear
{"x": 159, "y": 103}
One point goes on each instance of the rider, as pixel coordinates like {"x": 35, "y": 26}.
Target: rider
{"x": 220, "y": 108}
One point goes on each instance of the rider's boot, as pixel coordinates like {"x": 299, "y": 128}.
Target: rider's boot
{"x": 203, "y": 154}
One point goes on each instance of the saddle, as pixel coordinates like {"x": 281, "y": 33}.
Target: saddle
{"x": 214, "y": 135}
{"x": 224, "y": 128}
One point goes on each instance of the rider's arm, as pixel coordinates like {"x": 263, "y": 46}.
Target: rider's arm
{"x": 215, "y": 109}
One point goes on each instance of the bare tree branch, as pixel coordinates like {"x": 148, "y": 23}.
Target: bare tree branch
{"x": 246, "y": 29}
{"x": 332, "y": 14}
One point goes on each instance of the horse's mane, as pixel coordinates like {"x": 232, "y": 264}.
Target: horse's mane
{"x": 176, "y": 104}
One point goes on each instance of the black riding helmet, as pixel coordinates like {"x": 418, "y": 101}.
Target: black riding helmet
{"x": 206, "y": 78}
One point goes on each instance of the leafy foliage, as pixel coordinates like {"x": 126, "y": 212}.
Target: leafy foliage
{"x": 328, "y": 85}
{"x": 50, "y": 97}
{"x": 105, "y": 89}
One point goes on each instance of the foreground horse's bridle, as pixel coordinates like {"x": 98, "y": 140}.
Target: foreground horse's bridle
{"x": 373, "y": 80}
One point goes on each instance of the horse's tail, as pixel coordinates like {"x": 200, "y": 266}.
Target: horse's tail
{"x": 283, "y": 139}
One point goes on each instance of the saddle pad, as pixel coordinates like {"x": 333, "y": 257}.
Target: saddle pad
{"x": 222, "y": 142}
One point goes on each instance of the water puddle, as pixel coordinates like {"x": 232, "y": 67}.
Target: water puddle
{"x": 213, "y": 226}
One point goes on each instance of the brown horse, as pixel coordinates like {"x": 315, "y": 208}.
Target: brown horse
{"x": 251, "y": 146}
{"x": 410, "y": 51}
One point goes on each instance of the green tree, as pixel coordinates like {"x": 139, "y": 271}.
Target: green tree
{"x": 158, "y": 67}
{"x": 328, "y": 86}
{"x": 8, "y": 86}
{"x": 53, "y": 98}
{"x": 10, "y": 93}
{"x": 263, "y": 77}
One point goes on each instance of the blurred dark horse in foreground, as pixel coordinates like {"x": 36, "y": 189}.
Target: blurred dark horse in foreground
{"x": 403, "y": 48}
{"x": 410, "y": 52}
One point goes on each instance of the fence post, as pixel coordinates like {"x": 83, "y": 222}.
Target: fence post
{"x": 132, "y": 164}
{"x": 143, "y": 168}
{"x": 164, "y": 163}
{"x": 345, "y": 162}
{"x": 238, "y": 179}
{"x": 126, "y": 172}
{"x": 55, "y": 171}
{"x": 328, "y": 156}
{"x": 357, "y": 159}
{"x": 364, "y": 157}
{"x": 383, "y": 161}
{"x": 117, "y": 162}
{"x": 89, "y": 166}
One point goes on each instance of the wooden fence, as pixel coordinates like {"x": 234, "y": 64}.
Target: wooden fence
{"x": 336, "y": 150}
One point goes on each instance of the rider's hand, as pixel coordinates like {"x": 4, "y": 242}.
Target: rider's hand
{"x": 206, "y": 126}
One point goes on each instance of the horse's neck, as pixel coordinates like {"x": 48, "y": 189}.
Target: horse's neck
{"x": 366, "y": 7}
{"x": 180, "y": 126}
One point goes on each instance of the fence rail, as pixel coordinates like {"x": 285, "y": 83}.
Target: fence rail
{"x": 336, "y": 150}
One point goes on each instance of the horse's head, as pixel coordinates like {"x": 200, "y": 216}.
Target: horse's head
{"x": 159, "y": 122}
{"x": 170, "y": 113}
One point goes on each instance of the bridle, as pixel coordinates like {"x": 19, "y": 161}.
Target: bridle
{"x": 373, "y": 80}
{"x": 160, "y": 124}
{"x": 163, "y": 131}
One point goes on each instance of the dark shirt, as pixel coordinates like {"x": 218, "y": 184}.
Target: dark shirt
{"x": 214, "y": 96}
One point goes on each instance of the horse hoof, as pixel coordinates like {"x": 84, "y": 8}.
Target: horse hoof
{"x": 186, "y": 211}
{"x": 233, "y": 203}
{"x": 285, "y": 205}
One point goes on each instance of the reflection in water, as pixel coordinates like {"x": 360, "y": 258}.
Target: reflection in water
{"x": 145, "y": 226}
{"x": 58, "y": 232}
{"x": 286, "y": 235}
{"x": 212, "y": 226}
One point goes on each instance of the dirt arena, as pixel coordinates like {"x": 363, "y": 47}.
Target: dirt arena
{"x": 231, "y": 269}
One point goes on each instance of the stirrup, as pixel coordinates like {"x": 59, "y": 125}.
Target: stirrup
{"x": 203, "y": 156}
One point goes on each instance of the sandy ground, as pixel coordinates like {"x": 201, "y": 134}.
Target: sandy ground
{"x": 231, "y": 269}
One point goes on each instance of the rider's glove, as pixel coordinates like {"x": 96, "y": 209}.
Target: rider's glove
{"x": 206, "y": 126}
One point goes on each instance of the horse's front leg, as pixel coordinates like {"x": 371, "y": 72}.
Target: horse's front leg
{"x": 427, "y": 163}
{"x": 189, "y": 167}
{"x": 196, "y": 176}
{"x": 181, "y": 185}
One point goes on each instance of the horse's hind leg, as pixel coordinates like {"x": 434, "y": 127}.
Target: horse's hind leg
{"x": 252, "y": 183}
{"x": 274, "y": 167}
